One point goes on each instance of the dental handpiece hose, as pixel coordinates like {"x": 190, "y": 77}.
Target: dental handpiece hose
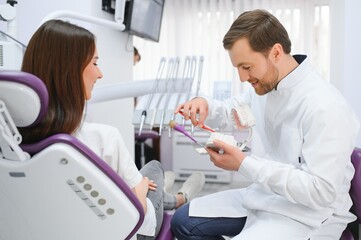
{"x": 142, "y": 120}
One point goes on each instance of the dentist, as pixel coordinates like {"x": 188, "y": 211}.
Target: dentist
{"x": 300, "y": 183}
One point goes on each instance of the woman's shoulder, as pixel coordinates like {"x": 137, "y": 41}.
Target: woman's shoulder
{"x": 97, "y": 129}
{"x": 89, "y": 126}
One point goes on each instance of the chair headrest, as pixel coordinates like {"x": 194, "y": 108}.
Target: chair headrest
{"x": 25, "y": 97}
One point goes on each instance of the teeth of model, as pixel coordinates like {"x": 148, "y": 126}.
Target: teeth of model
{"x": 229, "y": 139}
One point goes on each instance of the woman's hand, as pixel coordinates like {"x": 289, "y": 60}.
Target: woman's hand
{"x": 141, "y": 191}
{"x": 152, "y": 186}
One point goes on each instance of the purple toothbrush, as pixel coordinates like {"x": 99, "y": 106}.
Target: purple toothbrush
{"x": 181, "y": 129}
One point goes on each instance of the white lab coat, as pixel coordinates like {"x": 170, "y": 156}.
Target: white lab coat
{"x": 108, "y": 144}
{"x": 308, "y": 132}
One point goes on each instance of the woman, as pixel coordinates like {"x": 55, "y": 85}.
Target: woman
{"x": 65, "y": 57}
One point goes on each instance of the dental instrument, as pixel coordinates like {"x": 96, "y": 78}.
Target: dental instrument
{"x": 170, "y": 93}
{"x": 184, "y": 77}
{"x": 193, "y": 70}
{"x": 191, "y": 73}
{"x": 200, "y": 70}
{"x": 169, "y": 73}
{"x": 154, "y": 88}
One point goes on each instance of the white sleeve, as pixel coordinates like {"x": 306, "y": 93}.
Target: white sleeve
{"x": 108, "y": 144}
{"x": 117, "y": 153}
{"x": 325, "y": 169}
{"x": 150, "y": 222}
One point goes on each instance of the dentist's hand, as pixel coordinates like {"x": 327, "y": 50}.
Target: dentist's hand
{"x": 230, "y": 160}
{"x": 197, "y": 107}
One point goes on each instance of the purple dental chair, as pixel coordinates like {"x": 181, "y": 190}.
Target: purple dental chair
{"x": 355, "y": 193}
{"x": 57, "y": 188}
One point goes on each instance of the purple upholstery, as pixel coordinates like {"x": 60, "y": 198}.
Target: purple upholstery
{"x": 165, "y": 232}
{"x": 33, "y": 82}
{"x": 355, "y": 191}
{"x": 347, "y": 235}
{"x": 145, "y": 135}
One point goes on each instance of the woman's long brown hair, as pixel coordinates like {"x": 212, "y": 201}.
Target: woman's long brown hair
{"x": 58, "y": 53}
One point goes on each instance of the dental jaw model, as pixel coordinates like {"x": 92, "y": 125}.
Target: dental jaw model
{"x": 229, "y": 139}
{"x": 243, "y": 118}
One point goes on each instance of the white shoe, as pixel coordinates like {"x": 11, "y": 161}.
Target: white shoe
{"x": 192, "y": 186}
{"x": 169, "y": 178}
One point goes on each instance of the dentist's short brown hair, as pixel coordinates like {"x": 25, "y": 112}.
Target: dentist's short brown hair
{"x": 261, "y": 28}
